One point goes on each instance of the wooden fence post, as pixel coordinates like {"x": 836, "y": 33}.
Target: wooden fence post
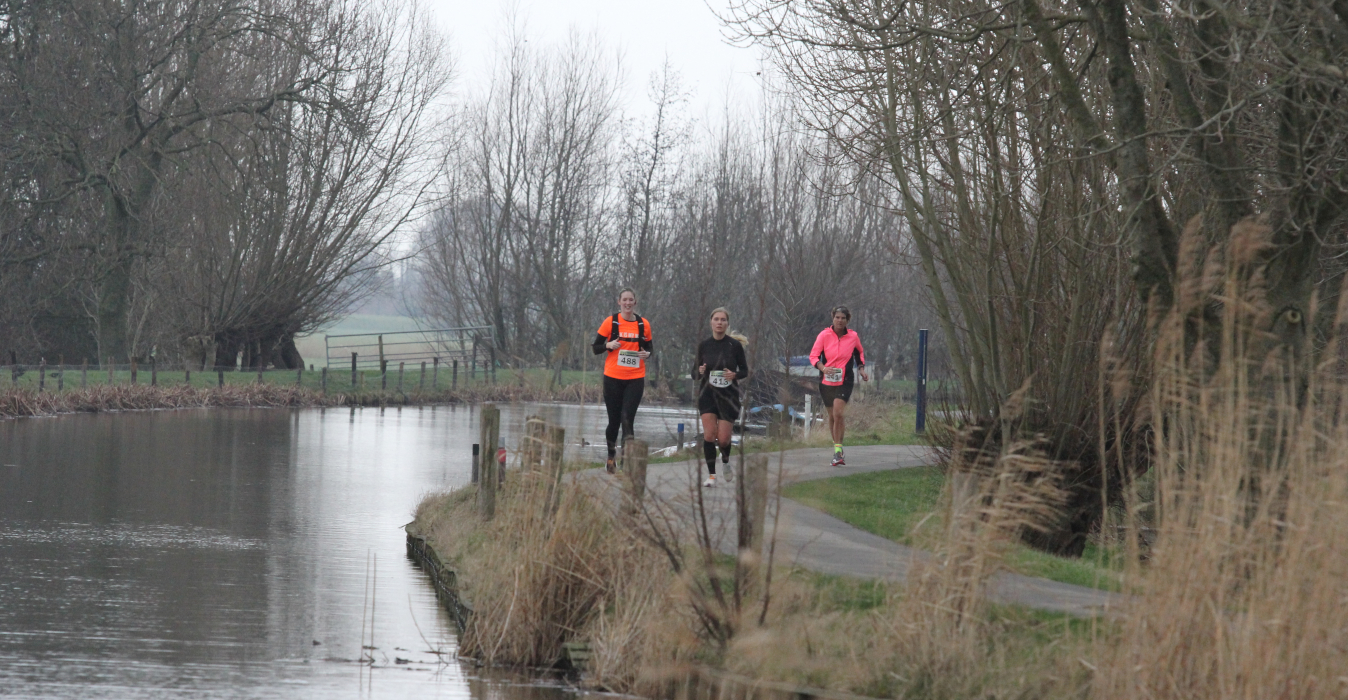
{"x": 492, "y": 367}
{"x": 531, "y": 450}
{"x": 553, "y": 465}
{"x": 41, "y": 374}
{"x": 325, "y": 381}
{"x": 752, "y": 497}
{"x": 61, "y": 373}
{"x": 260, "y": 369}
{"x": 154, "y": 372}
{"x": 636, "y": 455}
{"x": 220, "y": 378}
{"x": 421, "y": 383}
{"x": 489, "y": 419}
{"x": 477, "y": 466}
{"x": 435, "y": 374}
{"x": 84, "y": 374}
{"x": 133, "y": 371}
{"x": 455, "y": 384}
{"x": 401, "y": 367}
{"x": 299, "y": 376}
{"x": 187, "y": 377}
{"x": 353, "y": 371}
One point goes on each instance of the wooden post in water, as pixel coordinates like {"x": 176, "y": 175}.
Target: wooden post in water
{"x": 84, "y": 374}
{"x": 353, "y": 371}
{"x": 325, "y": 381}
{"x": 752, "y": 498}
{"x": 421, "y": 383}
{"x": 552, "y": 465}
{"x": 400, "y": 376}
{"x": 531, "y": 450}
{"x": 636, "y": 455}
{"x": 489, "y": 419}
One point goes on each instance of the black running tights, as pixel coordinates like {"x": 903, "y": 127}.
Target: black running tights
{"x": 621, "y": 397}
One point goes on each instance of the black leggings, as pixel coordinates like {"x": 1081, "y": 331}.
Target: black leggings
{"x": 621, "y": 397}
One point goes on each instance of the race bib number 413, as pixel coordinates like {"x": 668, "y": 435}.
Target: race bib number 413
{"x": 628, "y": 358}
{"x": 718, "y": 379}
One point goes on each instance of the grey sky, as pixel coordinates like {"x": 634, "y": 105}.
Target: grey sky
{"x": 643, "y": 31}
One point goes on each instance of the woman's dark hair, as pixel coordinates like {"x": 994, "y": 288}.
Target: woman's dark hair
{"x": 840, "y": 309}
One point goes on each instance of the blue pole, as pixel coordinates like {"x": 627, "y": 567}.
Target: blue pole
{"x": 921, "y": 380}
{"x": 680, "y": 438}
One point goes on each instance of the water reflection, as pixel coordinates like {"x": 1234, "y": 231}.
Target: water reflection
{"x": 232, "y": 553}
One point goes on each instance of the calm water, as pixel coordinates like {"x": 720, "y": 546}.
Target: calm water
{"x": 230, "y": 553}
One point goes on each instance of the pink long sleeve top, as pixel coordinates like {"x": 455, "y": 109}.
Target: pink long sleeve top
{"x": 837, "y": 354}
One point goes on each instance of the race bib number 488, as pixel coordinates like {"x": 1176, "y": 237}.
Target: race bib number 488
{"x": 628, "y": 358}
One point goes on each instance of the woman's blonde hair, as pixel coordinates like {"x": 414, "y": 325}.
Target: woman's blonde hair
{"x": 744, "y": 340}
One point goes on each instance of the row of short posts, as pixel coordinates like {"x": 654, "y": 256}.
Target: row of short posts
{"x": 542, "y": 450}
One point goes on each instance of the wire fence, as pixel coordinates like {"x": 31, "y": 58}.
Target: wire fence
{"x": 395, "y": 376}
{"x": 470, "y": 346}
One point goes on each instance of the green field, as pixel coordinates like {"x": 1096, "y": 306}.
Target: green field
{"x": 311, "y": 346}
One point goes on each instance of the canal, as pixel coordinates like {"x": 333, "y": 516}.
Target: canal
{"x": 242, "y": 553}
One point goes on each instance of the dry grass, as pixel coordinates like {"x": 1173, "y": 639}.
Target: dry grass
{"x": 589, "y": 574}
{"x": 1243, "y": 593}
{"x": 537, "y": 580}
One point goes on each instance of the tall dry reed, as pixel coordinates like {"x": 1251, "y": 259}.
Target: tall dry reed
{"x": 1244, "y": 593}
{"x": 538, "y": 578}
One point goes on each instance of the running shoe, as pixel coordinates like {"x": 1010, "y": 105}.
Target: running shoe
{"x": 609, "y": 466}
{"x": 838, "y": 459}
{"x": 710, "y": 482}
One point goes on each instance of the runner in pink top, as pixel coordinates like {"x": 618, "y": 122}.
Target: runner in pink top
{"x": 835, "y": 350}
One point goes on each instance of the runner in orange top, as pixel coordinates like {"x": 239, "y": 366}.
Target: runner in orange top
{"x": 626, "y": 337}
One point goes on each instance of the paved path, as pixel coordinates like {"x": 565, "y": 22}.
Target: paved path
{"x": 820, "y": 542}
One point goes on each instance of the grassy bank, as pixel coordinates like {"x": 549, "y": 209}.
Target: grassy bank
{"x": 893, "y": 504}
{"x": 650, "y": 602}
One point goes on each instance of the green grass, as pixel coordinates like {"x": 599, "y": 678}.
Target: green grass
{"x": 892, "y": 503}
{"x": 888, "y": 503}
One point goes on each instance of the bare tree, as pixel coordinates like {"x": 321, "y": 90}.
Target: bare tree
{"x": 284, "y": 222}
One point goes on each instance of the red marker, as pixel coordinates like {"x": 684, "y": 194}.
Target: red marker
{"x": 501, "y": 455}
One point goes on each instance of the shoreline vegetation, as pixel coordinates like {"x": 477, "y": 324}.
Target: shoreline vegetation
{"x": 650, "y": 605}
{"x": 30, "y": 403}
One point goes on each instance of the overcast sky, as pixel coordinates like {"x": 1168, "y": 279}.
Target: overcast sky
{"x": 643, "y": 32}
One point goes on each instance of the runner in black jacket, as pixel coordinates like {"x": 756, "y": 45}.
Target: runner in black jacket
{"x": 720, "y": 365}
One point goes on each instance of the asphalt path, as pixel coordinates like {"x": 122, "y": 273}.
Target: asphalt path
{"x": 813, "y": 540}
